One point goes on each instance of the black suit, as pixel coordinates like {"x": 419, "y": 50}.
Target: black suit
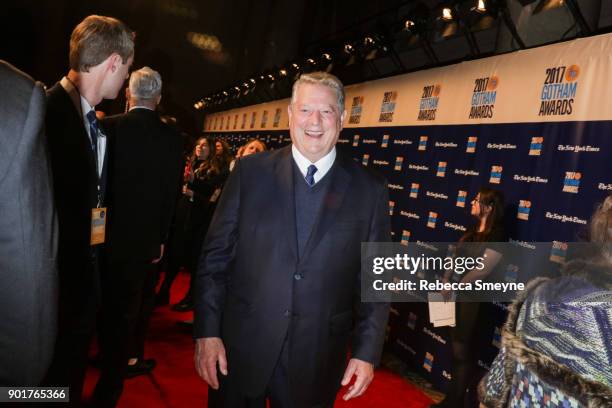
{"x": 145, "y": 157}
{"x": 254, "y": 292}
{"x": 75, "y": 182}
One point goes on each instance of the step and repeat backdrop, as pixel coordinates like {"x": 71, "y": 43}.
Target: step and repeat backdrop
{"x": 534, "y": 124}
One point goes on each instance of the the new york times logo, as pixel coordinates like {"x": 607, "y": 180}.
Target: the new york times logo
{"x": 578, "y": 149}
{"x": 565, "y": 218}
{"x": 483, "y": 98}
{"x": 434, "y": 335}
{"x": 439, "y": 196}
{"x": 409, "y": 215}
{"x": 559, "y": 90}
{"x": 604, "y": 187}
{"x": 356, "y": 109}
{"x": 429, "y": 102}
{"x": 388, "y": 107}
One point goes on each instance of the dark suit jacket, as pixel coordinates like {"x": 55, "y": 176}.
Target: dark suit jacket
{"x": 144, "y": 180}
{"x": 28, "y": 233}
{"x": 75, "y": 187}
{"x": 251, "y": 288}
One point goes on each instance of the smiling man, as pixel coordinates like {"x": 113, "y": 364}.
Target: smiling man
{"x": 278, "y": 286}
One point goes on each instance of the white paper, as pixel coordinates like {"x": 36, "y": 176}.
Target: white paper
{"x": 441, "y": 313}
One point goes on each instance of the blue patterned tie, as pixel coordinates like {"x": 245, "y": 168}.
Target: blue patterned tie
{"x": 312, "y": 169}
{"x": 93, "y": 131}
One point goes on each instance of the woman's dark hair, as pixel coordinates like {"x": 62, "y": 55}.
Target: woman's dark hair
{"x": 223, "y": 159}
{"x": 494, "y": 223}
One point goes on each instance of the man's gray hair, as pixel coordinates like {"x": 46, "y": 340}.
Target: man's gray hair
{"x": 145, "y": 84}
{"x": 321, "y": 78}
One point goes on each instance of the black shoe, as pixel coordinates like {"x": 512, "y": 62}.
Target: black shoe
{"x": 141, "y": 367}
{"x": 185, "y": 323}
{"x": 183, "y": 306}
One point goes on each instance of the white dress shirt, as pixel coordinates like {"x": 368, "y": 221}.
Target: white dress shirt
{"x": 323, "y": 164}
{"x": 81, "y": 105}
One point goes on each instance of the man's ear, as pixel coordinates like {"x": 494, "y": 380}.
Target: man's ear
{"x": 115, "y": 61}
{"x": 342, "y": 117}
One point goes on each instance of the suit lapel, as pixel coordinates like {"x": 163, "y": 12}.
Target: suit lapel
{"x": 286, "y": 198}
{"x": 75, "y": 111}
{"x": 331, "y": 204}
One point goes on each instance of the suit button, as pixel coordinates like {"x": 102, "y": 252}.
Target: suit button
{"x": 287, "y": 313}
{"x": 298, "y": 276}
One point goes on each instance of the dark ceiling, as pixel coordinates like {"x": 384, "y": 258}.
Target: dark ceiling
{"x": 202, "y": 48}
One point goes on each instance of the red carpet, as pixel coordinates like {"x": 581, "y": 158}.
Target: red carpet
{"x": 175, "y": 383}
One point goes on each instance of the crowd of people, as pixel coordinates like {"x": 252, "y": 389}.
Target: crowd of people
{"x": 277, "y": 309}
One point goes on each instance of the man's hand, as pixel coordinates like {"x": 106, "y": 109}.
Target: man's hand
{"x": 161, "y": 255}
{"x": 208, "y": 352}
{"x": 365, "y": 374}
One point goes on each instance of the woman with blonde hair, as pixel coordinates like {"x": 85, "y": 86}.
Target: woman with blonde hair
{"x": 557, "y": 341}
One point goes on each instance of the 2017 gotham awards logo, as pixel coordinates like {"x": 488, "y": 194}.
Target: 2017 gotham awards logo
{"x": 366, "y": 159}
{"x": 535, "y": 148}
{"x": 277, "y": 116}
{"x": 558, "y": 252}
{"x": 356, "y": 110}
{"x": 414, "y": 190}
{"x": 385, "y": 142}
{"x": 524, "y": 209}
{"x": 253, "y": 119}
{"x": 571, "y": 184}
{"x": 559, "y": 90}
{"x": 264, "y": 119}
{"x": 391, "y": 207}
{"x": 432, "y": 219}
{"x": 496, "y": 174}
{"x": 471, "y": 144}
{"x": 441, "y": 172}
{"x": 483, "y": 98}
{"x": 243, "y": 124}
{"x": 388, "y": 107}
{"x": 405, "y": 237}
{"x": 428, "y": 362}
{"x": 461, "y": 197}
{"x": 423, "y": 143}
{"x": 235, "y": 122}
{"x": 399, "y": 161}
{"x": 429, "y": 102}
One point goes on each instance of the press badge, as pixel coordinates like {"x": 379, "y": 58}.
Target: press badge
{"x": 98, "y": 225}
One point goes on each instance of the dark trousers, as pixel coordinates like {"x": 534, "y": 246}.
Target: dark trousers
{"x": 147, "y": 305}
{"x": 123, "y": 295}
{"x": 69, "y": 363}
{"x": 463, "y": 368}
{"x": 178, "y": 241}
{"x": 278, "y": 390}
{"x": 76, "y": 325}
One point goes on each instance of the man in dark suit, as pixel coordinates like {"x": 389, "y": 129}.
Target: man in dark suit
{"x": 101, "y": 52}
{"x": 278, "y": 285}
{"x": 28, "y": 233}
{"x": 144, "y": 180}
